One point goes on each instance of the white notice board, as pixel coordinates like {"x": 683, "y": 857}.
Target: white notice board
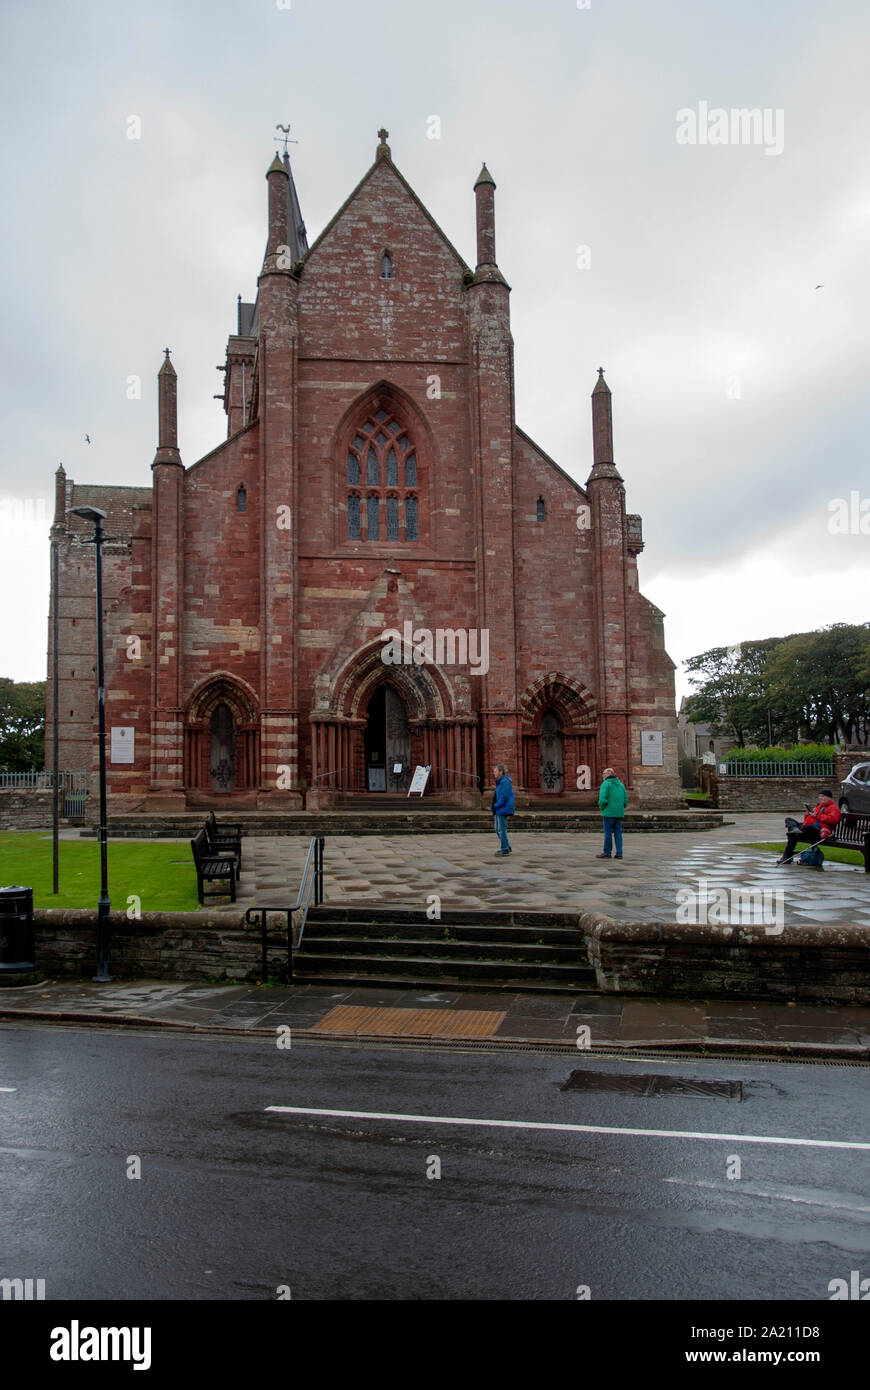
{"x": 123, "y": 743}
{"x": 419, "y": 780}
{"x": 651, "y": 748}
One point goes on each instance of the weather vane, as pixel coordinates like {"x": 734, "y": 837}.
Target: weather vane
{"x": 285, "y": 131}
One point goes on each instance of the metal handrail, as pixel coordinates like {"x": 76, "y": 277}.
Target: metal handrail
{"x": 455, "y": 772}
{"x": 310, "y": 883}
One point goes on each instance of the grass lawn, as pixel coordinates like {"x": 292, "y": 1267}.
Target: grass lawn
{"x": 839, "y": 856}
{"x": 162, "y": 876}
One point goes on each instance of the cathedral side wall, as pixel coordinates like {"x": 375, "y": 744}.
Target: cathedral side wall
{"x": 555, "y": 593}
{"x": 126, "y": 600}
{"x": 222, "y": 564}
{"x": 651, "y": 687}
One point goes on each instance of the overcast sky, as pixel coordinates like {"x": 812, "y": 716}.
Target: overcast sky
{"x": 740, "y": 390}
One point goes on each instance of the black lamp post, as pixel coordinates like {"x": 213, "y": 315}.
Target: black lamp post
{"x": 102, "y": 976}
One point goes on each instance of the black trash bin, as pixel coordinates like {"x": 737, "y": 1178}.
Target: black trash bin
{"x": 17, "y": 944}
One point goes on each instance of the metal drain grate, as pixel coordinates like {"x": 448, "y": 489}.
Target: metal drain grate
{"x": 653, "y": 1085}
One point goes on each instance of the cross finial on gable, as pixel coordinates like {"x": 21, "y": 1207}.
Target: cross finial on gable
{"x": 383, "y": 150}
{"x": 167, "y": 351}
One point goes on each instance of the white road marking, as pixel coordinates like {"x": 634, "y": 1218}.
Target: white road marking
{"x": 569, "y": 1129}
{"x": 8, "y": 1088}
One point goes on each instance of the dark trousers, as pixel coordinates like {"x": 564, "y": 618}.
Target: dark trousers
{"x": 807, "y": 833}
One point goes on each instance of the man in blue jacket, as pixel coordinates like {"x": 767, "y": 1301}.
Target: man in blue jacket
{"x": 502, "y": 805}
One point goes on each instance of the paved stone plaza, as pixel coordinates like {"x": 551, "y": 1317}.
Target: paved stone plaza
{"x": 557, "y": 871}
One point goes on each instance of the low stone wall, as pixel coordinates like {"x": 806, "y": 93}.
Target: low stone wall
{"x": 786, "y": 794}
{"x": 830, "y": 964}
{"x": 159, "y": 945}
{"x": 25, "y": 808}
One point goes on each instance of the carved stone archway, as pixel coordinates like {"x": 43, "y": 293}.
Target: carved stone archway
{"x": 225, "y": 708}
{"x": 559, "y": 704}
{"x": 442, "y": 731}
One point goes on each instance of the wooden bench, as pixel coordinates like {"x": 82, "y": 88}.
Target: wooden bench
{"x": 224, "y": 842}
{"x": 852, "y": 832}
{"x": 210, "y": 868}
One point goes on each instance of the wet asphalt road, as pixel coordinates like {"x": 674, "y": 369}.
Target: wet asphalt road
{"x": 234, "y": 1201}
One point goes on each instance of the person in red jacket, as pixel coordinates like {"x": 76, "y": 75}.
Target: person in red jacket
{"x": 818, "y": 824}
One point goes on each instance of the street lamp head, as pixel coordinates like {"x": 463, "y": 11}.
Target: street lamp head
{"x": 93, "y": 514}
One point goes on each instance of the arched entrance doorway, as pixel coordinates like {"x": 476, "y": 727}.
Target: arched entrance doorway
{"x": 222, "y": 742}
{"x": 370, "y": 719}
{"x": 551, "y": 764}
{"x": 222, "y": 753}
{"x": 559, "y": 738}
{"x": 387, "y": 742}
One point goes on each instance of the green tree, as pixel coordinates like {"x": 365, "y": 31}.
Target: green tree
{"x": 818, "y": 680}
{"x": 22, "y": 724}
{"x": 733, "y": 697}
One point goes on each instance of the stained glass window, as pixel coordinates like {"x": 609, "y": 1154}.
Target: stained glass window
{"x": 382, "y": 459}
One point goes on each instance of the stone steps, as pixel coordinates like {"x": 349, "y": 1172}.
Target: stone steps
{"x": 420, "y": 821}
{"x": 492, "y": 950}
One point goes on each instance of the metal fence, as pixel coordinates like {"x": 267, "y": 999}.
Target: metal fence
{"x": 44, "y": 781}
{"x": 73, "y": 787}
{"x": 774, "y": 768}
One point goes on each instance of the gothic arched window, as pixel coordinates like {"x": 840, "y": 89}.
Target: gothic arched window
{"x": 382, "y": 467}
{"x": 386, "y": 266}
{"x": 241, "y": 498}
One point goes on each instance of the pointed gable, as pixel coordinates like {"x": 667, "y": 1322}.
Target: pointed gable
{"x": 350, "y": 295}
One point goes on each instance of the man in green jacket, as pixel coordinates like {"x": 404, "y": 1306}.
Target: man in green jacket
{"x": 612, "y": 801}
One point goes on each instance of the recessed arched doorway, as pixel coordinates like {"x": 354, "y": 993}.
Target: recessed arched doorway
{"x": 222, "y": 759}
{"x": 387, "y": 742}
{"x": 551, "y": 769}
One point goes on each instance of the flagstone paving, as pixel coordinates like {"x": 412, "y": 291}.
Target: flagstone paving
{"x": 558, "y": 871}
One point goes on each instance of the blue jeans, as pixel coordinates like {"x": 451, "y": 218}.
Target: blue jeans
{"x": 613, "y": 826}
{"x": 501, "y": 831}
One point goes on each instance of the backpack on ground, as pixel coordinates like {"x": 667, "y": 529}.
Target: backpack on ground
{"x": 813, "y": 857}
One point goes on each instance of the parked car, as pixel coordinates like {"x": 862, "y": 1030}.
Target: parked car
{"x": 855, "y": 789}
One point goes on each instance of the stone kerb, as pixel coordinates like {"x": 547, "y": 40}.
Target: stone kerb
{"x": 822, "y": 963}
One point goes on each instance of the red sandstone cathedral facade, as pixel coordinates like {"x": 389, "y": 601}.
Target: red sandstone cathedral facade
{"x": 377, "y": 569}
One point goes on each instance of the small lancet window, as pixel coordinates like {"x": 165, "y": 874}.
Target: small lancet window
{"x": 353, "y": 518}
{"x": 241, "y": 498}
{"x": 372, "y": 469}
{"x": 541, "y": 509}
{"x": 410, "y": 518}
{"x": 411, "y": 470}
{"x": 392, "y": 469}
{"x": 392, "y": 518}
{"x": 352, "y": 470}
{"x": 372, "y": 507}
{"x": 386, "y": 266}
